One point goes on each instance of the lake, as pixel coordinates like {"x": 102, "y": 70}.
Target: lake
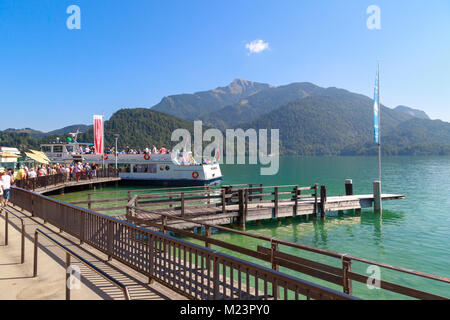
{"x": 412, "y": 233}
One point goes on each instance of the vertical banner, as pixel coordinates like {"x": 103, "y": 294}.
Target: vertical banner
{"x": 376, "y": 111}
{"x": 98, "y": 134}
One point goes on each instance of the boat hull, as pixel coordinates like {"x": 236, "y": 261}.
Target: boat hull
{"x": 170, "y": 183}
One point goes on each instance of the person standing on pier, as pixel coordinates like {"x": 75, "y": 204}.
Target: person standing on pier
{"x": 6, "y": 181}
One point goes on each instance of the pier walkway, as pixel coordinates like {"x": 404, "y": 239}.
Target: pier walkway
{"x": 52, "y": 183}
{"x": 17, "y": 281}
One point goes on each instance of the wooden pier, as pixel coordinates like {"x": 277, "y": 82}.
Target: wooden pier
{"x": 199, "y": 272}
{"x": 235, "y": 204}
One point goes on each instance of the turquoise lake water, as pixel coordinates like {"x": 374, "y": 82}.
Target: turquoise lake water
{"x": 412, "y": 233}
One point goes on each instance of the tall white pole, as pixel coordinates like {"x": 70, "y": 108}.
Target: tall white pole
{"x": 377, "y": 187}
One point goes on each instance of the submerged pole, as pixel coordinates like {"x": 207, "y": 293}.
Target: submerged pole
{"x": 377, "y": 201}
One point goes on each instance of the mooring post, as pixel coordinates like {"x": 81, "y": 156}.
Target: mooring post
{"x": 323, "y": 201}
{"x": 89, "y": 201}
{"x": 296, "y": 195}
{"x": 349, "y": 187}
{"x": 377, "y": 206}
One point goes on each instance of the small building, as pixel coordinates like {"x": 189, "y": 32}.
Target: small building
{"x": 9, "y": 157}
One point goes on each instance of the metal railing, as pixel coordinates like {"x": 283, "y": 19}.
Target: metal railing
{"x": 60, "y": 178}
{"x": 70, "y": 253}
{"x": 22, "y": 246}
{"x": 342, "y": 276}
{"x": 189, "y": 269}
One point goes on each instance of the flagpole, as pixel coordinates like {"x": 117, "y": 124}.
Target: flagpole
{"x": 378, "y": 206}
{"x": 103, "y": 139}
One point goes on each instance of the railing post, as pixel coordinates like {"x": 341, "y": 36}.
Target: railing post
{"x": 346, "y": 268}
{"x": 170, "y": 198}
{"x": 209, "y": 195}
{"x": 323, "y": 201}
{"x": 316, "y": 205}
{"x": 274, "y": 250}
{"x": 164, "y": 223}
{"x": 182, "y": 204}
{"x": 81, "y": 228}
{"x": 22, "y": 254}
{"x": 250, "y": 192}
{"x": 67, "y": 276}
{"x": 223, "y": 201}
{"x": 296, "y": 194}
{"x": 207, "y": 235}
{"x": 275, "y": 192}
{"x": 241, "y": 208}
{"x": 6, "y": 227}
{"x": 35, "y": 258}
{"x": 216, "y": 279}
{"x": 110, "y": 239}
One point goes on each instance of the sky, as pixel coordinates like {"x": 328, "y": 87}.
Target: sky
{"x": 133, "y": 53}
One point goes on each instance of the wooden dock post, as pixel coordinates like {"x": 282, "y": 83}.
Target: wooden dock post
{"x": 89, "y": 201}
{"x": 223, "y": 201}
{"x": 182, "y": 204}
{"x": 296, "y": 195}
{"x": 323, "y": 201}
{"x": 241, "y": 208}
{"x": 349, "y": 187}
{"x": 275, "y": 193}
{"x": 377, "y": 206}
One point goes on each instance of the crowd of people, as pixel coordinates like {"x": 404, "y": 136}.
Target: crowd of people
{"x": 128, "y": 150}
{"x": 73, "y": 171}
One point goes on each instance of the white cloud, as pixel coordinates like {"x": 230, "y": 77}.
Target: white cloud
{"x": 257, "y": 46}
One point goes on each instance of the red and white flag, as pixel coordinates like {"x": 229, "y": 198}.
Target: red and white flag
{"x": 98, "y": 135}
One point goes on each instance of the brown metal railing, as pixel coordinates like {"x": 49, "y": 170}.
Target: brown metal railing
{"x": 342, "y": 276}
{"x": 22, "y": 246}
{"x": 55, "y": 179}
{"x": 69, "y": 254}
{"x": 190, "y": 269}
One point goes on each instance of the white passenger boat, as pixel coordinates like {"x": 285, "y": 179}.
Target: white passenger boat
{"x": 163, "y": 169}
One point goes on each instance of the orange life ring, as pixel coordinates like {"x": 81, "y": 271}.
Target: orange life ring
{"x": 147, "y": 157}
{"x": 105, "y": 157}
{"x": 195, "y": 174}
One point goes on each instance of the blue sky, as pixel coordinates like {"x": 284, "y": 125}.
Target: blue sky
{"x": 133, "y": 53}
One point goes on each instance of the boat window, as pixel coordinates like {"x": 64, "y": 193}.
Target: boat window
{"x": 152, "y": 168}
{"x": 57, "y": 149}
{"x": 124, "y": 167}
{"x": 161, "y": 168}
{"x": 46, "y": 149}
{"x": 167, "y": 168}
{"x": 69, "y": 148}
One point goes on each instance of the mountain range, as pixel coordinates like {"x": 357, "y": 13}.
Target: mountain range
{"x": 312, "y": 120}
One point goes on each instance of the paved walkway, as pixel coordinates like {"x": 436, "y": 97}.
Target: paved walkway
{"x": 17, "y": 283}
